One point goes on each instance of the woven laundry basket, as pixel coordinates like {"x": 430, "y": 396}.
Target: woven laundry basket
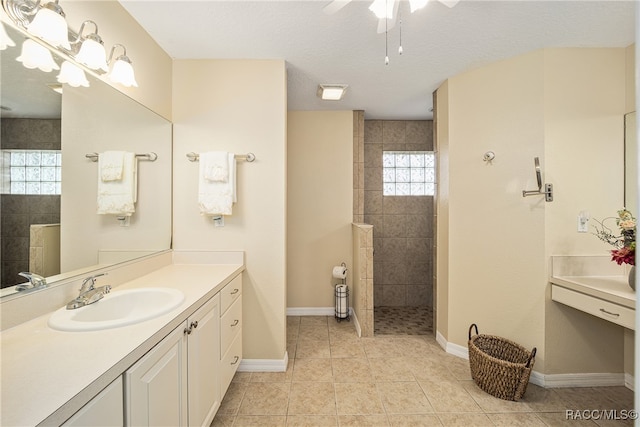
{"x": 499, "y": 366}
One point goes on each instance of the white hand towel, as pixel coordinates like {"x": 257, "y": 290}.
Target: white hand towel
{"x": 217, "y": 197}
{"x": 118, "y": 197}
{"x": 215, "y": 165}
{"x": 111, "y": 164}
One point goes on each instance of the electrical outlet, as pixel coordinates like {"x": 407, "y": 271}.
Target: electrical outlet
{"x": 218, "y": 221}
{"x": 583, "y": 222}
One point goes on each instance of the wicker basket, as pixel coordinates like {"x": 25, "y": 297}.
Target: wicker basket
{"x": 499, "y": 366}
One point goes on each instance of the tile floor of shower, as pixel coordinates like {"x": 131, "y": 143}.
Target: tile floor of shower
{"x": 402, "y": 320}
{"x": 334, "y": 378}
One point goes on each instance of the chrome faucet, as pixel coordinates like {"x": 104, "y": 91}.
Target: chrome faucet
{"x": 89, "y": 293}
{"x": 35, "y": 281}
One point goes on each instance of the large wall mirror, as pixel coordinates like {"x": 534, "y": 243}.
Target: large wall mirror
{"x": 630, "y": 163}
{"x": 37, "y": 123}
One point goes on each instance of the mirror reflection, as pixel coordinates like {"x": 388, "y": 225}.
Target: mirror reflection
{"x": 49, "y": 221}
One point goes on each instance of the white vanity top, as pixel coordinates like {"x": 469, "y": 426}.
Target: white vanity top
{"x": 614, "y": 289}
{"x": 596, "y": 276}
{"x": 47, "y": 375}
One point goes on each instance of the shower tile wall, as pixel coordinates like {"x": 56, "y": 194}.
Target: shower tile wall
{"x": 403, "y": 225}
{"x": 18, "y": 212}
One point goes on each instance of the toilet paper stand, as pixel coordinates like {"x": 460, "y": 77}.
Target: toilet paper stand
{"x": 342, "y": 300}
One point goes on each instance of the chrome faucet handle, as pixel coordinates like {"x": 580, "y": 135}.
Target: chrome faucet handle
{"x": 36, "y": 280}
{"x": 89, "y": 283}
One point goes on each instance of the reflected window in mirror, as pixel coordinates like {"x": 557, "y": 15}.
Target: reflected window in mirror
{"x": 31, "y": 171}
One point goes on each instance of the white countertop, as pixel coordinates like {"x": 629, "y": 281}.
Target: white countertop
{"x": 614, "y": 289}
{"x": 47, "y": 375}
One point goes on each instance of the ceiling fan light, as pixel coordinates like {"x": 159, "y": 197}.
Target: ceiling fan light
{"x": 34, "y": 55}
{"x": 5, "y": 40}
{"x": 382, "y": 8}
{"x": 417, "y": 4}
{"x": 122, "y": 72}
{"x": 93, "y": 55}
{"x": 49, "y": 24}
{"x": 72, "y": 75}
{"x": 331, "y": 92}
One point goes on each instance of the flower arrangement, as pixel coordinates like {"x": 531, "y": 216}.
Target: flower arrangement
{"x": 625, "y": 242}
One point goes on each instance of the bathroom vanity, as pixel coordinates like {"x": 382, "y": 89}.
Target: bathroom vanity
{"x": 172, "y": 369}
{"x": 596, "y": 286}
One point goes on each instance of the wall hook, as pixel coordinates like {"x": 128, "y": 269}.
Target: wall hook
{"x": 489, "y": 156}
{"x": 548, "y": 188}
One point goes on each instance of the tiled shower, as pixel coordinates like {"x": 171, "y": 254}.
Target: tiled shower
{"x": 403, "y": 232}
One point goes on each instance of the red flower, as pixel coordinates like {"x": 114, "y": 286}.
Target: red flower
{"x": 624, "y": 255}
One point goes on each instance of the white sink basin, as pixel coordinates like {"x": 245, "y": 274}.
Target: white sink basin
{"x": 116, "y": 309}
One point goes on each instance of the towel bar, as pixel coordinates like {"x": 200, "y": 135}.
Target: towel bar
{"x": 152, "y": 157}
{"x": 249, "y": 157}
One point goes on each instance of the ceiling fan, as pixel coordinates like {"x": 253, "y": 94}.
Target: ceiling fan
{"x": 385, "y": 10}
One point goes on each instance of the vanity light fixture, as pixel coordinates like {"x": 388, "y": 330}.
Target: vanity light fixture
{"x": 72, "y": 75}
{"x": 331, "y": 92}
{"x": 46, "y": 20}
{"x": 5, "y": 40}
{"x": 34, "y": 55}
{"x": 122, "y": 71}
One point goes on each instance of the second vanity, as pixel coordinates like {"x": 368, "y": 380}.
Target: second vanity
{"x": 162, "y": 366}
{"x": 594, "y": 285}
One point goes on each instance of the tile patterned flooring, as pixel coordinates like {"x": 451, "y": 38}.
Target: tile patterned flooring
{"x": 336, "y": 379}
{"x": 403, "y": 320}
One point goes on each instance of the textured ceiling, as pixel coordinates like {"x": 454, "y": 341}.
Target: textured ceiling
{"x": 345, "y": 47}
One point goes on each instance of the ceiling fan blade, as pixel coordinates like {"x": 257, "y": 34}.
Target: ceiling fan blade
{"x": 335, "y": 6}
{"x": 384, "y": 24}
{"x": 449, "y": 3}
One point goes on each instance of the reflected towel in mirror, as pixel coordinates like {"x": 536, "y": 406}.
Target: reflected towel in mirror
{"x": 118, "y": 197}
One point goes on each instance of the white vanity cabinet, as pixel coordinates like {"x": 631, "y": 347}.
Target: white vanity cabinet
{"x": 177, "y": 382}
{"x": 106, "y": 409}
{"x": 230, "y": 331}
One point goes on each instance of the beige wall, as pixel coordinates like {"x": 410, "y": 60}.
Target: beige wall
{"x": 320, "y": 203}
{"x": 238, "y": 106}
{"x": 151, "y": 64}
{"x": 564, "y": 106}
{"x": 584, "y": 109}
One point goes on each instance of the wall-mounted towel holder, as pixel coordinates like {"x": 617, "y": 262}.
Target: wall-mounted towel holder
{"x": 548, "y": 188}
{"x": 152, "y": 157}
{"x": 249, "y": 157}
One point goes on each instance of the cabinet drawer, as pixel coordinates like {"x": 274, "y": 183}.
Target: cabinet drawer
{"x": 229, "y": 363}
{"x": 230, "y": 325}
{"x": 595, "y": 306}
{"x": 230, "y": 293}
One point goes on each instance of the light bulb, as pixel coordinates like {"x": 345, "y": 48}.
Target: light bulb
{"x": 72, "y": 75}
{"x": 93, "y": 55}
{"x": 34, "y": 55}
{"x": 400, "y": 50}
{"x": 122, "y": 72}
{"x": 386, "y": 60}
{"x": 49, "y": 24}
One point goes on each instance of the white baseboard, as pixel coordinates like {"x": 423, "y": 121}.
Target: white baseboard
{"x": 264, "y": 365}
{"x": 311, "y": 311}
{"x": 629, "y": 382}
{"x": 355, "y": 322}
{"x": 552, "y": 380}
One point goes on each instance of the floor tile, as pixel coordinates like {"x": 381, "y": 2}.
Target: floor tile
{"x": 391, "y": 369}
{"x": 403, "y": 398}
{"x": 358, "y": 399}
{"x": 346, "y": 348}
{"x": 312, "y": 421}
{"x": 403, "y": 420}
{"x": 312, "y": 370}
{"x": 260, "y": 421}
{"x": 233, "y": 398}
{"x": 312, "y": 399}
{"x": 520, "y": 419}
{"x": 313, "y": 349}
{"x": 265, "y": 399}
{"x": 449, "y": 396}
{"x": 362, "y": 421}
{"x": 351, "y": 370}
{"x": 452, "y": 419}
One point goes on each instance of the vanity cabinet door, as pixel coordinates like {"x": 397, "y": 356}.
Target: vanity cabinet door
{"x": 106, "y": 409}
{"x": 156, "y": 385}
{"x": 203, "y": 356}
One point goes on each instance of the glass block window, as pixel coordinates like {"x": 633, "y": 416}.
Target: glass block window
{"x": 31, "y": 171}
{"x": 408, "y": 173}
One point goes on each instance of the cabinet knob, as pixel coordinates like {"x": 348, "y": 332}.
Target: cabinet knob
{"x": 187, "y": 331}
{"x": 235, "y": 322}
{"x": 235, "y": 360}
{"x": 194, "y": 324}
